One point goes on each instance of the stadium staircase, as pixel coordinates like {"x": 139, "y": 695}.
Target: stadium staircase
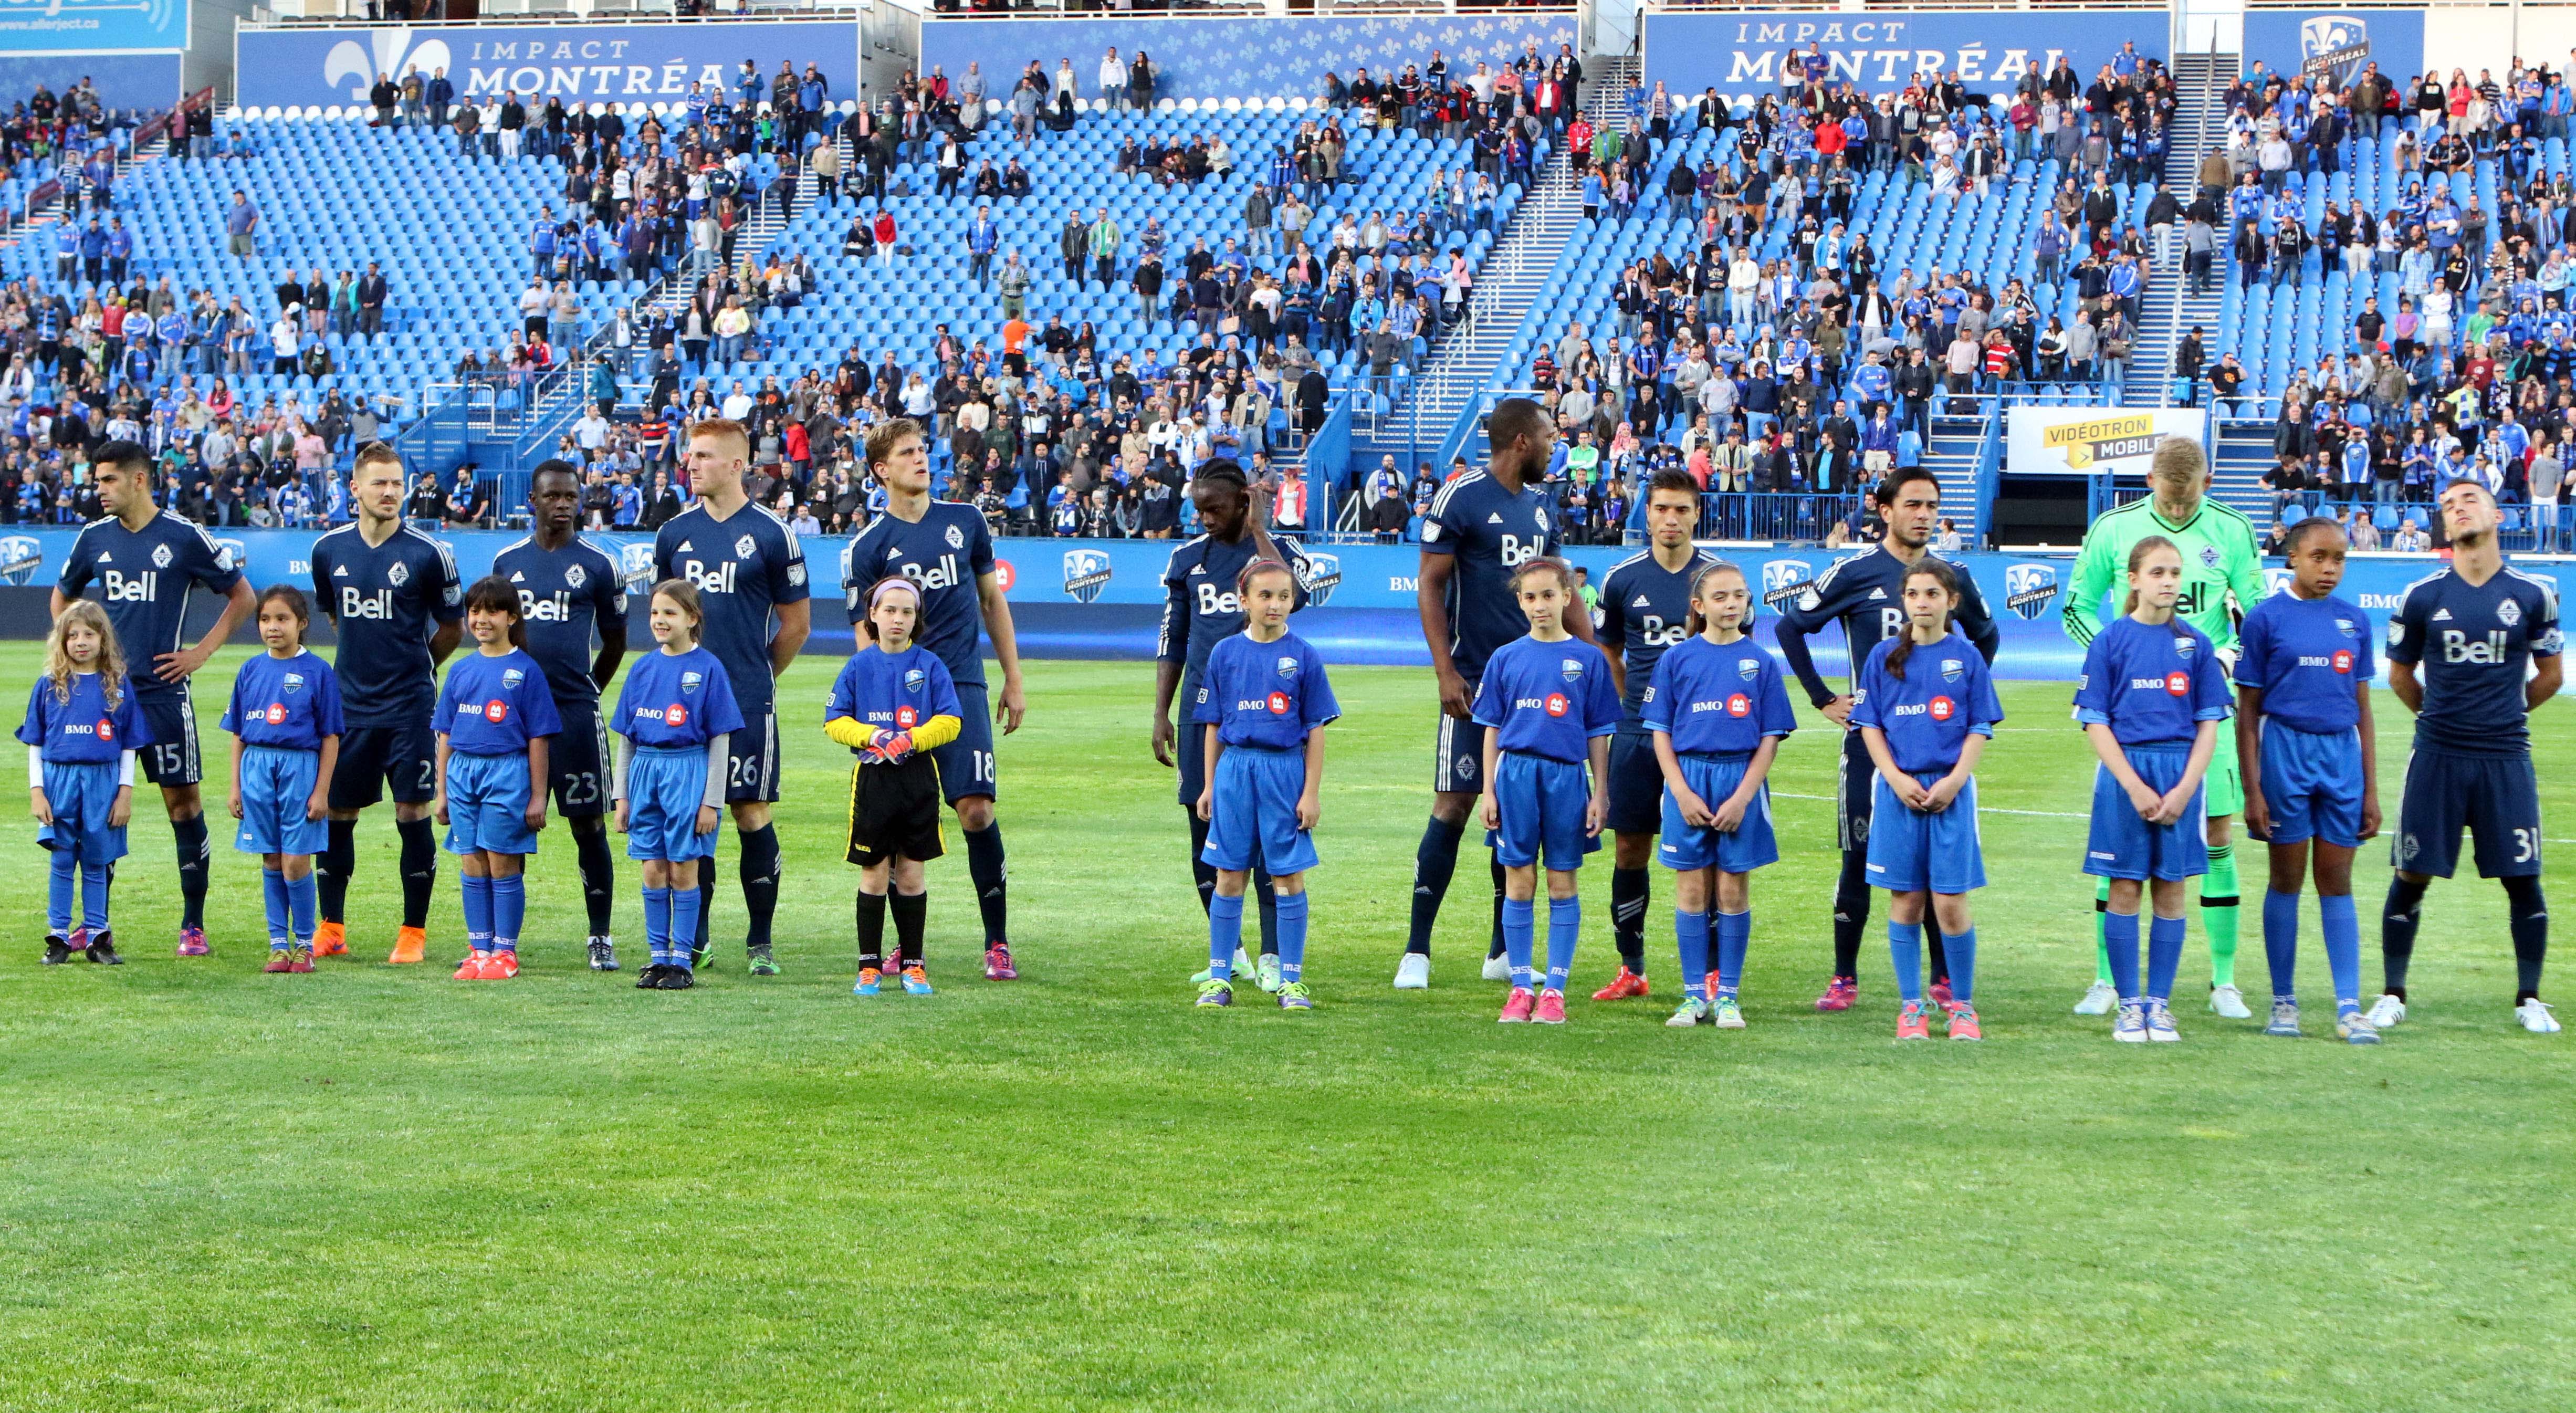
{"x": 2167, "y": 311}
{"x": 65, "y": 202}
{"x": 2240, "y": 453}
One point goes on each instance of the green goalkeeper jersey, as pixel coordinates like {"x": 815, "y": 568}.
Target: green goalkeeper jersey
{"x": 2222, "y": 568}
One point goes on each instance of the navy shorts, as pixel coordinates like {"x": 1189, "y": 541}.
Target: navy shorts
{"x": 2312, "y": 785}
{"x": 1192, "y": 763}
{"x": 2495, "y": 798}
{"x": 172, "y": 758}
{"x": 1750, "y": 845}
{"x": 751, "y": 756}
{"x": 2122, "y": 845}
{"x": 578, "y": 762}
{"x": 1541, "y": 802}
{"x": 373, "y": 758}
{"x": 966, "y": 765}
{"x": 1914, "y": 852}
{"x": 1458, "y": 754}
{"x": 1252, "y": 815}
{"x": 1855, "y": 791}
{"x": 1636, "y": 783}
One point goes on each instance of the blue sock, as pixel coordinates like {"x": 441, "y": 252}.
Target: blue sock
{"x": 509, "y": 909}
{"x": 2164, "y": 955}
{"x": 1690, "y": 933}
{"x": 272, "y": 888}
{"x": 1734, "y": 939}
{"x": 2281, "y": 943}
{"x": 2343, "y": 950}
{"x": 2120, "y": 946}
{"x": 1564, "y": 931}
{"x": 478, "y": 912}
{"x": 302, "y": 894}
{"x": 685, "y": 906}
{"x": 1292, "y": 936}
{"x": 1225, "y": 934}
{"x": 657, "y": 924}
{"x": 1520, "y": 919}
{"x": 58, "y": 891}
{"x": 1960, "y": 950}
{"x": 1905, "y": 952}
{"x": 94, "y": 881}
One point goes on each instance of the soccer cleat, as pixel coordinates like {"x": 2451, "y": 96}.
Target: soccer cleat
{"x": 276, "y": 962}
{"x": 1518, "y": 1005}
{"x": 2535, "y": 1017}
{"x": 1725, "y": 1014}
{"x": 330, "y": 939}
{"x": 80, "y": 939}
{"x": 192, "y": 942}
{"x": 1216, "y": 991}
{"x": 761, "y": 963}
{"x": 58, "y": 950}
{"x": 678, "y": 978}
{"x": 471, "y": 969}
{"x": 299, "y": 959}
{"x": 916, "y": 982}
{"x": 2160, "y": 1023}
{"x": 1940, "y": 995}
{"x": 1963, "y": 1022}
{"x": 410, "y": 945}
{"x": 871, "y": 983}
{"x": 2354, "y": 1028}
{"x": 1708, "y": 984}
{"x": 1497, "y": 967}
{"x": 1840, "y": 993}
{"x": 1551, "y": 1007}
{"x": 2229, "y": 1002}
{"x": 698, "y": 957}
{"x": 2285, "y": 1020}
{"x": 1689, "y": 1013}
{"x": 997, "y": 963}
{"x": 650, "y": 978}
{"x": 1293, "y": 996}
{"x": 603, "y": 954}
{"x": 2131, "y": 1026}
{"x": 1622, "y": 987}
{"x": 102, "y": 950}
{"x": 503, "y": 964}
{"x": 2100, "y": 999}
{"x": 2388, "y": 1010}
{"x": 1268, "y": 976}
{"x": 1910, "y": 1023}
{"x": 1414, "y": 972}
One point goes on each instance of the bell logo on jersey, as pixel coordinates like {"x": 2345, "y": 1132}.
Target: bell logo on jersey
{"x": 2485, "y": 650}
{"x": 2177, "y": 684}
{"x": 1516, "y": 551}
{"x": 277, "y": 713}
{"x": 906, "y": 717}
{"x": 945, "y": 576}
{"x": 1653, "y": 632}
{"x": 1213, "y": 601}
{"x": 1557, "y": 704}
{"x": 378, "y": 606}
{"x": 1279, "y": 704}
{"x": 130, "y": 588}
{"x": 553, "y": 608}
{"x": 496, "y": 711}
{"x": 1739, "y": 705}
{"x": 718, "y": 580}
{"x": 1942, "y": 708}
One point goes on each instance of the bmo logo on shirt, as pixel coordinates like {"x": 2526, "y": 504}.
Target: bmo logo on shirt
{"x": 1279, "y": 704}
{"x": 1739, "y": 705}
{"x": 496, "y": 711}
{"x": 277, "y": 713}
{"x": 1557, "y": 705}
{"x": 2343, "y": 662}
{"x": 2177, "y": 684}
{"x": 1942, "y": 708}
{"x": 905, "y": 716}
{"x": 106, "y": 729}
{"x": 675, "y": 714}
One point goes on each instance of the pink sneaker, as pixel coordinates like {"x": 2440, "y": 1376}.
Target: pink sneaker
{"x": 997, "y": 963}
{"x": 192, "y": 942}
{"x": 1517, "y": 1006}
{"x": 1551, "y": 1008}
{"x": 1939, "y": 995}
{"x": 1839, "y": 994}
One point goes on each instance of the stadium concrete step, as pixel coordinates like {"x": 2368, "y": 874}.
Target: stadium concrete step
{"x": 2241, "y": 453}
{"x": 2165, "y": 312}
{"x": 1951, "y": 453}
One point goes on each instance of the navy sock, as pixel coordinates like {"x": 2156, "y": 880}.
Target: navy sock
{"x": 2397, "y": 921}
{"x": 1202, "y": 873}
{"x": 338, "y": 858}
{"x": 598, "y": 879}
{"x": 1494, "y": 940}
{"x": 1851, "y": 911}
{"x": 700, "y": 939}
{"x": 1630, "y": 889}
{"x": 1265, "y": 899}
{"x": 1435, "y": 859}
{"x": 759, "y": 869}
{"x": 419, "y": 868}
{"x": 191, "y": 837}
{"x": 872, "y": 915}
{"x": 985, "y": 867}
{"x": 2527, "y": 912}
{"x": 2281, "y": 942}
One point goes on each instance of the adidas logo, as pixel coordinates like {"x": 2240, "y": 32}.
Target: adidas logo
{"x": 106, "y": 557}
{"x": 342, "y": 572}
{"x": 1641, "y": 602}
{"x": 2441, "y": 615}
{"x": 684, "y": 548}
{"x": 1877, "y": 595}
{"x": 1495, "y": 518}
{"x": 518, "y": 578}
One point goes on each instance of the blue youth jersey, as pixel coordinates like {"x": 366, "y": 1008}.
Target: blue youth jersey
{"x": 1947, "y": 693}
{"x": 386, "y": 601}
{"x": 2152, "y": 684}
{"x": 493, "y": 706}
{"x": 83, "y": 730}
{"x": 744, "y": 567}
{"x": 2306, "y": 656}
{"x": 1866, "y": 594}
{"x": 2473, "y": 642}
{"x": 290, "y": 703}
{"x": 1645, "y": 611}
{"x": 1201, "y": 608}
{"x": 1265, "y": 694}
{"x": 892, "y": 691}
{"x": 1548, "y": 699}
{"x": 1718, "y": 698}
{"x": 674, "y": 701}
{"x": 144, "y": 579}
{"x": 1487, "y": 532}
{"x": 944, "y": 553}
{"x": 571, "y": 600}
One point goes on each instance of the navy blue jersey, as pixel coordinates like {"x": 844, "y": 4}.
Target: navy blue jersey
{"x": 2474, "y": 642}
{"x": 571, "y": 600}
{"x": 892, "y": 691}
{"x": 1200, "y": 607}
{"x": 290, "y": 703}
{"x": 675, "y": 700}
{"x": 83, "y": 729}
{"x": 493, "y": 706}
{"x": 1645, "y": 610}
{"x": 1487, "y": 533}
{"x": 1718, "y": 698}
{"x": 1866, "y": 594}
{"x": 387, "y": 600}
{"x": 144, "y": 578}
{"x": 1946, "y": 694}
{"x": 1547, "y": 699}
{"x": 2305, "y": 656}
{"x": 2152, "y": 684}
{"x": 1265, "y": 694}
{"x": 944, "y": 552}
{"x": 743, "y": 567}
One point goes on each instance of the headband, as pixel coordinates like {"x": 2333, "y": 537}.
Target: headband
{"x": 894, "y": 581}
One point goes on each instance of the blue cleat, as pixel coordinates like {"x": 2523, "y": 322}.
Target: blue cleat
{"x": 869, "y": 977}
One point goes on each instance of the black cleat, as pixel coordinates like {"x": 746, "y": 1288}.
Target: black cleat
{"x": 58, "y": 950}
{"x": 102, "y": 950}
{"x": 678, "y": 978}
{"x": 603, "y": 954}
{"x": 650, "y": 979}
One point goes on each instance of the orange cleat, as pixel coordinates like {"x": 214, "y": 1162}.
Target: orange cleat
{"x": 330, "y": 939}
{"x": 1910, "y": 1023}
{"x": 1625, "y": 985}
{"x": 501, "y": 965}
{"x": 471, "y": 969}
{"x": 410, "y": 945}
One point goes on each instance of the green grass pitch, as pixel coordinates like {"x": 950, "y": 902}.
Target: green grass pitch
{"x": 377, "y": 1188}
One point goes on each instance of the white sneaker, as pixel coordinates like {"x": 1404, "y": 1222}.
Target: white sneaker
{"x": 2229, "y": 1002}
{"x": 2100, "y": 999}
{"x": 1498, "y": 968}
{"x": 1413, "y": 973}
{"x": 2160, "y": 1023}
{"x": 2535, "y": 1017}
{"x": 2386, "y": 1011}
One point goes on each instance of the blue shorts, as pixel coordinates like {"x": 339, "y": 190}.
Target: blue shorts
{"x": 276, "y": 784}
{"x": 665, "y": 788}
{"x": 1636, "y": 783}
{"x": 2312, "y": 785}
{"x": 172, "y": 758}
{"x": 2121, "y": 845}
{"x": 1542, "y": 803}
{"x": 966, "y": 765}
{"x": 2496, "y": 798}
{"x": 487, "y": 805}
{"x": 1252, "y": 813}
{"x": 1458, "y": 753}
{"x": 1750, "y": 845}
{"x": 1914, "y": 852}
{"x": 82, "y": 797}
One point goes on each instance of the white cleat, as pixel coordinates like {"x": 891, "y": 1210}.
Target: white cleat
{"x": 1413, "y": 973}
{"x": 2100, "y": 999}
{"x": 2386, "y": 1011}
{"x": 1498, "y": 968}
{"x": 2229, "y": 1002}
{"x": 2535, "y": 1017}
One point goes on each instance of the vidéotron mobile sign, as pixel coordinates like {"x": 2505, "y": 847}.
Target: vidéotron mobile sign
{"x": 93, "y": 26}
{"x": 654, "y": 63}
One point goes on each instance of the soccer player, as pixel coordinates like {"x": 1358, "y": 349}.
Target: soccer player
{"x": 1645, "y": 610}
{"x": 495, "y": 722}
{"x": 2222, "y": 580}
{"x": 1484, "y": 525}
{"x": 1200, "y": 610}
{"x": 284, "y": 717}
{"x": 571, "y": 597}
{"x": 943, "y": 547}
{"x": 1866, "y": 595}
{"x": 2304, "y": 733}
{"x": 2150, "y": 700}
{"x": 749, "y": 572}
{"x": 674, "y": 713}
{"x": 892, "y": 703}
{"x": 82, "y": 729}
{"x": 2484, "y": 638}
{"x": 147, "y": 563}
{"x": 393, "y": 593}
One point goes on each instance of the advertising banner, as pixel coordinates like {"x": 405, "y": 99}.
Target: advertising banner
{"x": 2335, "y": 45}
{"x": 2092, "y": 441}
{"x": 645, "y": 63}
{"x": 1236, "y": 58}
{"x": 1738, "y": 52}
{"x": 93, "y": 26}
